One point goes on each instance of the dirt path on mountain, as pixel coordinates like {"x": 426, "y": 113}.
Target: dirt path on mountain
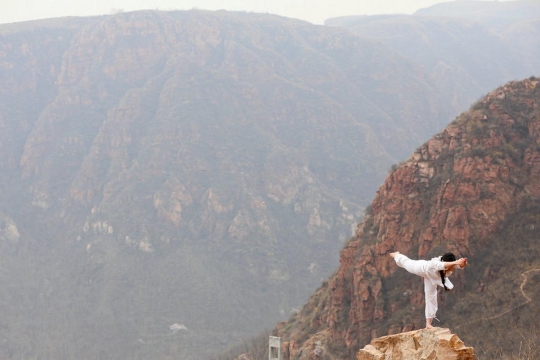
{"x": 528, "y": 300}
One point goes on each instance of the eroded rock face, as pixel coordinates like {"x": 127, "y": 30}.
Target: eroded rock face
{"x": 453, "y": 194}
{"x": 436, "y": 344}
{"x": 8, "y": 230}
{"x": 187, "y": 135}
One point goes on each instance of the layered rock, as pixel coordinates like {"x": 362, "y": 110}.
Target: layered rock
{"x": 453, "y": 194}
{"x": 435, "y": 344}
{"x": 177, "y": 157}
{"x": 190, "y": 154}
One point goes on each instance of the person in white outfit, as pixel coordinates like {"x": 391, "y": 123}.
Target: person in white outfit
{"x": 434, "y": 272}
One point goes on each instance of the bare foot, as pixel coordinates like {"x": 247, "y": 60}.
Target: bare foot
{"x": 428, "y": 324}
{"x": 393, "y": 255}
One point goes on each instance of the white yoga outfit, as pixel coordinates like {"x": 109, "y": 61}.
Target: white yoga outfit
{"x": 429, "y": 270}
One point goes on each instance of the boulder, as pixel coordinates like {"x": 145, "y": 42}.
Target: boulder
{"x": 425, "y": 344}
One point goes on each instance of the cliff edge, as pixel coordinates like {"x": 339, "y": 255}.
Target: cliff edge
{"x": 473, "y": 190}
{"x": 436, "y": 344}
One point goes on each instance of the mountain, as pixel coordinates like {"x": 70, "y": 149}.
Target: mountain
{"x": 465, "y": 46}
{"x": 494, "y": 14}
{"x": 472, "y": 189}
{"x": 516, "y": 23}
{"x": 171, "y": 182}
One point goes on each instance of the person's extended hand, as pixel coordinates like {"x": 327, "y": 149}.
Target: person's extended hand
{"x": 462, "y": 262}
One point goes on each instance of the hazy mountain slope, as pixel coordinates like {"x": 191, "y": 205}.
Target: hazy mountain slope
{"x": 472, "y": 189}
{"x": 30, "y": 63}
{"x": 464, "y": 57}
{"x": 190, "y": 168}
{"x": 515, "y": 23}
{"x": 497, "y": 15}
{"x": 523, "y": 36}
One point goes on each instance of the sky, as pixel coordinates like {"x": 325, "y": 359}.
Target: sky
{"x": 314, "y": 11}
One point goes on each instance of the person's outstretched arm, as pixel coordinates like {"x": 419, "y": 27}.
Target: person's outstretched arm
{"x": 450, "y": 264}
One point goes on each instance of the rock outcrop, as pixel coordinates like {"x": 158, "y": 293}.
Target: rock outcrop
{"x": 436, "y": 344}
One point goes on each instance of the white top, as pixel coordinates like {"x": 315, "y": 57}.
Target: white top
{"x": 431, "y": 272}
{"x": 428, "y": 269}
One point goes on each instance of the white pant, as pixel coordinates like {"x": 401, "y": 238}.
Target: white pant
{"x": 417, "y": 267}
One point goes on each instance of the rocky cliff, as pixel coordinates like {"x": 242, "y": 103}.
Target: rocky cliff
{"x": 473, "y": 189}
{"x": 171, "y": 182}
{"x": 190, "y": 168}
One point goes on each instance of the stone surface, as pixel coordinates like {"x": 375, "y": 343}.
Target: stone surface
{"x": 436, "y": 344}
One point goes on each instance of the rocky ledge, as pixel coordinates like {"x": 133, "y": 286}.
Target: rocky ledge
{"x": 435, "y": 344}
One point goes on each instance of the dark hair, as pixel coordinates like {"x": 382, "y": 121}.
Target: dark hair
{"x": 448, "y": 257}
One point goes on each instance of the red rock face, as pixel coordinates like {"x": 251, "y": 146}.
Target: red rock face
{"x": 453, "y": 193}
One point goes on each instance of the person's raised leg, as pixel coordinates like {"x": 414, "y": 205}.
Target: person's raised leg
{"x": 393, "y": 255}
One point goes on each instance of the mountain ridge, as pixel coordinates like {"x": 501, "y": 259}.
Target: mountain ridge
{"x": 462, "y": 191}
{"x": 171, "y": 182}
{"x": 154, "y": 163}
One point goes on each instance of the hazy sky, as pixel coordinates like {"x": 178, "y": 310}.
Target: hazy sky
{"x": 315, "y": 11}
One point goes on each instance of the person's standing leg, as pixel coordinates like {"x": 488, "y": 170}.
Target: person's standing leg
{"x": 430, "y": 291}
